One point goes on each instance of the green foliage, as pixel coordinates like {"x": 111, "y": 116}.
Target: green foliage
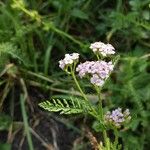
{"x": 5, "y": 122}
{"x": 79, "y": 14}
{"x": 34, "y": 35}
{"x": 126, "y": 20}
{"x": 132, "y": 91}
{"x": 5, "y": 146}
{"x": 8, "y": 50}
{"x": 72, "y": 106}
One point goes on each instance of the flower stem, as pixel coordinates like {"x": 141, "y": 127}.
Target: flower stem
{"x": 77, "y": 84}
{"x": 100, "y": 105}
{"x": 106, "y": 141}
{"x": 93, "y": 112}
{"x": 116, "y": 139}
{"x": 97, "y": 56}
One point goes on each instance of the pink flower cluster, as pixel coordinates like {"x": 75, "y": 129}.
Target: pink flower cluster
{"x": 68, "y": 60}
{"x": 102, "y": 48}
{"x": 99, "y": 71}
{"x": 117, "y": 117}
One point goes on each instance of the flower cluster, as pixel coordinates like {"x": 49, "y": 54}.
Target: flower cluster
{"x": 103, "y": 49}
{"x": 98, "y": 70}
{"x": 117, "y": 117}
{"x": 68, "y": 60}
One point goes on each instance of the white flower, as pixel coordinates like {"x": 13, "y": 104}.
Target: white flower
{"x": 61, "y": 64}
{"x": 97, "y": 45}
{"x": 75, "y": 56}
{"x": 103, "y": 49}
{"x": 68, "y": 60}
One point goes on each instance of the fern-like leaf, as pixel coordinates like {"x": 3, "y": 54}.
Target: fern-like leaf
{"x": 72, "y": 106}
{"x": 8, "y": 50}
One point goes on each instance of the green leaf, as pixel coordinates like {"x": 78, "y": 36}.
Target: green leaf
{"x": 97, "y": 126}
{"x": 7, "y": 50}
{"x": 146, "y": 15}
{"x": 5, "y": 122}
{"x": 72, "y": 106}
{"x": 79, "y": 14}
{"x": 5, "y": 146}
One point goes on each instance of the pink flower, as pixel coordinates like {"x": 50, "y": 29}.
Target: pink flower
{"x": 95, "y": 79}
{"x": 99, "y": 71}
{"x": 117, "y": 117}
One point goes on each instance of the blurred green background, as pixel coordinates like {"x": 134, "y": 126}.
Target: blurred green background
{"x": 35, "y": 35}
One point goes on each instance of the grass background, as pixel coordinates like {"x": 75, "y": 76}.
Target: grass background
{"x": 35, "y": 34}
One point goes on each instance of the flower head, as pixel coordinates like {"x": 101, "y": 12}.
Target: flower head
{"x": 68, "y": 60}
{"x": 117, "y": 117}
{"x": 95, "y": 79}
{"x": 98, "y": 71}
{"x": 102, "y": 48}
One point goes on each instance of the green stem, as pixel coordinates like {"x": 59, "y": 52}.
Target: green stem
{"x": 77, "y": 84}
{"x": 93, "y": 112}
{"x": 116, "y": 139}
{"x": 97, "y": 56}
{"x": 106, "y": 141}
{"x": 62, "y": 33}
{"x": 100, "y": 104}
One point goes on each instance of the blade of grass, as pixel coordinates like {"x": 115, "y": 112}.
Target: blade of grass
{"x": 5, "y": 93}
{"x": 23, "y": 98}
{"x": 32, "y": 52}
{"x": 48, "y": 55}
{"x": 38, "y": 75}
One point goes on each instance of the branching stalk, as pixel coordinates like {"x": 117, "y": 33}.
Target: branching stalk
{"x": 82, "y": 93}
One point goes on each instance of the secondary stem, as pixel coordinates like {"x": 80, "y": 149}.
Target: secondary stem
{"x": 93, "y": 112}
{"x": 76, "y": 82}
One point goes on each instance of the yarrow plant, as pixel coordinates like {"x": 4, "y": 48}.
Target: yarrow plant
{"x": 97, "y": 72}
